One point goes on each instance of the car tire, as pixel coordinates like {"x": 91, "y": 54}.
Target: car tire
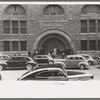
{"x": 51, "y": 62}
{"x": 29, "y": 66}
{"x": 82, "y": 67}
{"x": 98, "y": 61}
{"x": 1, "y": 67}
{"x": 90, "y": 63}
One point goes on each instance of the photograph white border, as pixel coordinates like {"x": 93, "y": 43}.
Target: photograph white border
{"x": 11, "y": 89}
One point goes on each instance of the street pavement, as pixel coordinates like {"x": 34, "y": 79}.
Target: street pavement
{"x": 13, "y": 75}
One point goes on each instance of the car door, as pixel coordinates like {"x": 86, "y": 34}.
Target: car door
{"x": 38, "y": 59}
{"x": 12, "y": 62}
{"x": 43, "y": 75}
{"x": 21, "y": 62}
{"x": 57, "y": 76}
{"x": 69, "y": 62}
{"x": 45, "y": 60}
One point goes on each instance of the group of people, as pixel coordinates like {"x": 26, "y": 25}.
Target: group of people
{"x": 52, "y": 52}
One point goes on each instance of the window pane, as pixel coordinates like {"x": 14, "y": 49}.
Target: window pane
{"x": 92, "y": 26}
{"x": 83, "y": 44}
{"x": 15, "y": 30}
{"x": 98, "y": 25}
{"x": 6, "y": 26}
{"x": 6, "y": 45}
{"x": 14, "y": 27}
{"x": 83, "y": 26}
{"x": 23, "y": 30}
{"x": 23, "y": 26}
{"x": 15, "y": 45}
{"x": 23, "y": 45}
{"x": 98, "y": 44}
{"x": 92, "y": 44}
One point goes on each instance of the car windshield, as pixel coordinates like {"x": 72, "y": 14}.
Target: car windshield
{"x": 86, "y": 57}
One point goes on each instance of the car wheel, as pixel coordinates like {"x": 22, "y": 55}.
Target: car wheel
{"x": 82, "y": 67}
{"x": 51, "y": 62}
{"x": 28, "y": 66}
{"x": 1, "y": 67}
{"x": 90, "y": 63}
{"x": 98, "y": 61}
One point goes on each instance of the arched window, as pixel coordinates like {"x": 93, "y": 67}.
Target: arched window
{"x": 53, "y": 10}
{"x": 15, "y": 10}
{"x": 91, "y": 9}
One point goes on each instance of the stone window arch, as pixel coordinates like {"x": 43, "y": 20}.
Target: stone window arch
{"x": 53, "y": 10}
{"x": 91, "y": 9}
{"x": 15, "y": 9}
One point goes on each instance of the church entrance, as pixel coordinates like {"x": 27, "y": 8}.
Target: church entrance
{"x": 54, "y": 40}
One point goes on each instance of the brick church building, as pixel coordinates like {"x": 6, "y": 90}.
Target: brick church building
{"x": 25, "y": 27}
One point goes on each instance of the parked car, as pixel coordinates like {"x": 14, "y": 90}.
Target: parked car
{"x": 43, "y": 59}
{"x": 75, "y": 61}
{"x": 17, "y": 62}
{"x": 54, "y": 72}
{"x": 91, "y": 61}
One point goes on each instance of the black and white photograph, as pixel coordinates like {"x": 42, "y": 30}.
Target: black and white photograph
{"x": 49, "y": 45}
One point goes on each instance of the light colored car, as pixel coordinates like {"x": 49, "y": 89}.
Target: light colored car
{"x": 75, "y": 61}
{"x": 54, "y": 72}
{"x": 43, "y": 59}
{"x": 91, "y": 61}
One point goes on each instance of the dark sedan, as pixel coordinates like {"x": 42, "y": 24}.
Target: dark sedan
{"x": 18, "y": 62}
{"x": 43, "y": 59}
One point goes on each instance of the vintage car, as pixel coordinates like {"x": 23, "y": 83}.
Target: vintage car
{"x": 54, "y": 72}
{"x": 91, "y": 61}
{"x": 74, "y": 61}
{"x": 43, "y": 59}
{"x": 17, "y": 62}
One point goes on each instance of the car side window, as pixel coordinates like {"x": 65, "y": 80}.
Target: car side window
{"x": 13, "y": 59}
{"x": 29, "y": 77}
{"x": 44, "y": 74}
{"x": 81, "y": 58}
{"x": 44, "y": 57}
{"x": 70, "y": 58}
{"x": 58, "y": 73}
{"x": 38, "y": 57}
{"x": 77, "y": 58}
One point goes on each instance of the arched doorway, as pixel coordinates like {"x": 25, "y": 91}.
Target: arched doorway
{"x": 54, "y": 39}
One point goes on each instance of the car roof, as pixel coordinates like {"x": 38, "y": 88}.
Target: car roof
{"x": 75, "y": 55}
{"x": 42, "y": 55}
{"x": 41, "y": 69}
{"x": 50, "y": 66}
{"x": 20, "y": 56}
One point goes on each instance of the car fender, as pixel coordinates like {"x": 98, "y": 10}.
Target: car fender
{"x": 30, "y": 62}
{"x": 84, "y": 63}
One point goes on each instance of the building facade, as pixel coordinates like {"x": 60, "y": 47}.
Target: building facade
{"x": 25, "y": 27}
